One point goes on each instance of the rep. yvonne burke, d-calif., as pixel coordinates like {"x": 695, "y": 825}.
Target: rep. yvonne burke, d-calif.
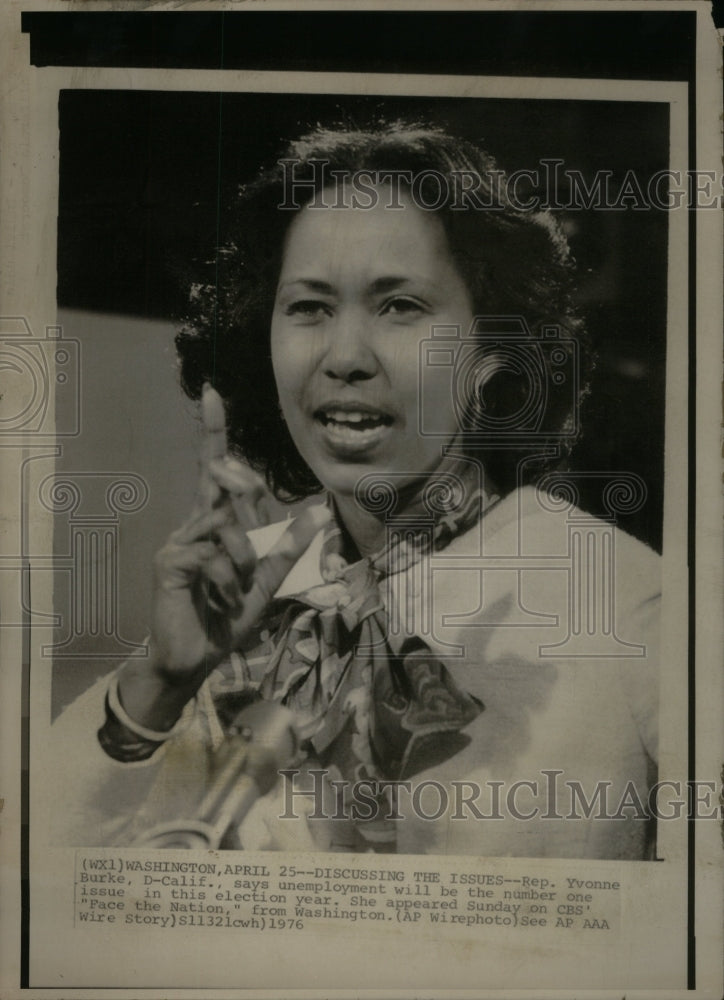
{"x": 415, "y": 621}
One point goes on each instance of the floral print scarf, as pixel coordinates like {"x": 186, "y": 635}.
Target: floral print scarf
{"x": 366, "y": 707}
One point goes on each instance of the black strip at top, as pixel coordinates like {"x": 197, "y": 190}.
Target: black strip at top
{"x": 656, "y": 45}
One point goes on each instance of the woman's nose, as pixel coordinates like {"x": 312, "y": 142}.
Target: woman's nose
{"x": 349, "y": 356}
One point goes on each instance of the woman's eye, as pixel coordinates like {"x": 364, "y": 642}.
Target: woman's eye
{"x": 308, "y": 309}
{"x": 402, "y": 307}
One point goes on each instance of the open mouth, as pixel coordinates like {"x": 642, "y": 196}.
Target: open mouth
{"x": 354, "y": 420}
{"x": 355, "y": 428}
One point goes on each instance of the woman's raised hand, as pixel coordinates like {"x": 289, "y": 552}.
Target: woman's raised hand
{"x": 209, "y": 587}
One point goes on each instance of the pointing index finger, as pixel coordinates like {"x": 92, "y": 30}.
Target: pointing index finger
{"x": 213, "y": 441}
{"x": 214, "y": 422}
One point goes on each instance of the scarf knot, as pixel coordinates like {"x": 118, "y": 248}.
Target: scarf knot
{"x": 363, "y": 707}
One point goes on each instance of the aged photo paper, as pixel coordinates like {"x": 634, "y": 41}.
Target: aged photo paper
{"x": 360, "y": 500}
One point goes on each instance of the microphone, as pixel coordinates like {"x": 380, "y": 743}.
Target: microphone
{"x": 261, "y": 740}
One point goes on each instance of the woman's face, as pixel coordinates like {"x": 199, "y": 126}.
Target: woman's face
{"x": 359, "y": 290}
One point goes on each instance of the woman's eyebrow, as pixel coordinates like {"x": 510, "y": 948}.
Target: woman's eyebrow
{"x": 312, "y": 284}
{"x": 386, "y": 284}
{"x": 379, "y": 286}
{"x": 389, "y": 283}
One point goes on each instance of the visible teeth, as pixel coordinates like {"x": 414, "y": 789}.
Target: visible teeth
{"x": 353, "y": 429}
{"x": 350, "y": 416}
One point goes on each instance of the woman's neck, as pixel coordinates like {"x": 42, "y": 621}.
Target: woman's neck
{"x": 366, "y": 529}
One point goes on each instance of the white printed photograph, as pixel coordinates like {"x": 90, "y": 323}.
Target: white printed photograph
{"x": 361, "y": 460}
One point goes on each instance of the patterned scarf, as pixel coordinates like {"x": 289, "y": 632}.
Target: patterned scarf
{"x": 366, "y": 706}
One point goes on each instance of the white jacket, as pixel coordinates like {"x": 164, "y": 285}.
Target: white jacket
{"x": 547, "y": 615}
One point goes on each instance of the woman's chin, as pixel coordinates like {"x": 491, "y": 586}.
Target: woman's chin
{"x": 347, "y": 463}
{"x": 373, "y": 484}
{"x": 344, "y": 479}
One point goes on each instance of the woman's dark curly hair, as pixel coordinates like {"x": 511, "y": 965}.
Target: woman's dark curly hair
{"x": 515, "y": 264}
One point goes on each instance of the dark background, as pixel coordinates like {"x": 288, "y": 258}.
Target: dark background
{"x": 144, "y": 177}
{"x": 625, "y": 44}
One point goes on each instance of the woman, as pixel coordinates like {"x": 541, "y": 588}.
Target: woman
{"x": 363, "y": 332}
